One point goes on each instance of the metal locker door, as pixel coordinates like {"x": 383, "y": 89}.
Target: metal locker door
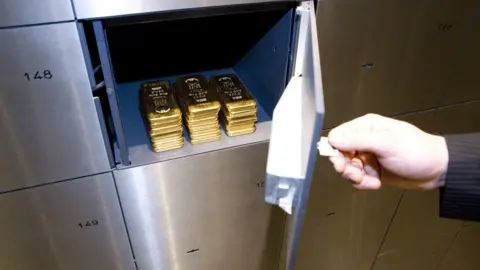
{"x": 49, "y": 128}
{"x": 296, "y": 127}
{"x": 203, "y": 212}
{"x": 27, "y": 12}
{"x": 72, "y": 225}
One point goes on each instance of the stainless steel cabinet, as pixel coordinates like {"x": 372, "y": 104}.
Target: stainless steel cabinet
{"x": 202, "y": 212}
{"x": 49, "y": 128}
{"x": 73, "y": 225}
{"x": 22, "y": 12}
{"x": 107, "y": 8}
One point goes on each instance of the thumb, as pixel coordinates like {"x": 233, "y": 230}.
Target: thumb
{"x": 347, "y": 139}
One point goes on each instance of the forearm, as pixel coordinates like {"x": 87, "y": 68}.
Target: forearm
{"x": 460, "y": 198}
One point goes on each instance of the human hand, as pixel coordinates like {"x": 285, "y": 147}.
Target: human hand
{"x": 377, "y": 150}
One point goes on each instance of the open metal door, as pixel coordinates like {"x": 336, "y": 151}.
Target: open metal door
{"x": 296, "y": 127}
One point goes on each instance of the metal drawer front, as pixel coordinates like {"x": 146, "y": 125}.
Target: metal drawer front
{"x": 106, "y": 8}
{"x": 73, "y": 225}
{"x": 22, "y": 12}
{"x": 49, "y": 128}
{"x": 204, "y": 212}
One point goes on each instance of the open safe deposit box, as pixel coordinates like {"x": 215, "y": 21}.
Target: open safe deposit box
{"x": 81, "y": 187}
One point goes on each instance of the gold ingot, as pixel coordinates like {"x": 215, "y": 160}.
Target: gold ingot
{"x": 233, "y": 95}
{"x": 238, "y": 121}
{"x": 204, "y": 133}
{"x": 174, "y": 125}
{"x": 240, "y": 132}
{"x": 173, "y": 141}
{"x": 233, "y": 115}
{"x": 168, "y": 143}
{"x": 175, "y": 134}
{"x": 241, "y": 106}
{"x": 215, "y": 124}
{"x": 172, "y": 122}
{"x": 164, "y": 130}
{"x": 196, "y": 96}
{"x": 205, "y": 140}
{"x": 196, "y": 132}
{"x": 158, "y": 103}
{"x": 163, "y": 119}
{"x": 203, "y": 127}
{"x": 239, "y": 127}
{"x": 204, "y": 110}
{"x": 166, "y": 139}
{"x": 168, "y": 148}
{"x": 199, "y": 120}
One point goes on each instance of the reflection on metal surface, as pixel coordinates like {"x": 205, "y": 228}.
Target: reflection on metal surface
{"x": 70, "y": 225}
{"x": 22, "y": 12}
{"x": 202, "y": 212}
{"x": 48, "y": 123}
{"x": 107, "y": 8}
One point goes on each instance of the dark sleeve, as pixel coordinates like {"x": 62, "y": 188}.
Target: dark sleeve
{"x": 460, "y": 198}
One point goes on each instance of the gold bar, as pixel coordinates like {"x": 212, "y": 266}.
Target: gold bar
{"x": 205, "y": 140}
{"x": 162, "y": 116}
{"x": 167, "y": 148}
{"x": 231, "y": 114}
{"x": 196, "y": 96}
{"x": 158, "y": 103}
{"x": 212, "y": 118}
{"x": 233, "y": 95}
{"x": 239, "y": 127}
{"x": 240, "y": 132}
{"x": 168, "y": 142}
{"x": 238, "y": 121}
{"x": 162, "y": 131}
{"x": 204, "y": 133}
{"x": 175, "y": 134}
{"x": 212, "y": 126}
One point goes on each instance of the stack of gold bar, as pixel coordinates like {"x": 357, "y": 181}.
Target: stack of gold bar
{"x": 239, "y": 108}
{"x": 162, "y": 116}
{"x": 200, "y": 106}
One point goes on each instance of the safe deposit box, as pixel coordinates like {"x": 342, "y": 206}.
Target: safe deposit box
{"x": 81, "y": 185}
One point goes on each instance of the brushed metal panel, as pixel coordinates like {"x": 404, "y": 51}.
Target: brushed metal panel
{"x": 463, "y": 253}
{"x": 49, "y": 128}
{"x": 461, "y": 118}
{"x": 461, "y": 80}
{"x": 345, "y": 39}
{"x": 389, "y": 57}
{"x": 106, "y": 8}
{"x": 41, "y": 227}
{"x": 344, "y": 228}
{"x": 202, "y": 212}
{"x": 418, "y": 238}
{"x": 424, "y": 120}
{"x": 22, "y": 12}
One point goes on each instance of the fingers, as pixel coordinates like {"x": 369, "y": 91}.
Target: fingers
{"x": 362, "y": 170}
{"x": 367, "y": 134}
{"x": 369, "y": 183}
{"x": 354, "y": 173}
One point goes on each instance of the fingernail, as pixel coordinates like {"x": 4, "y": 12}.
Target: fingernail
{"x": 335, "y": 136}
